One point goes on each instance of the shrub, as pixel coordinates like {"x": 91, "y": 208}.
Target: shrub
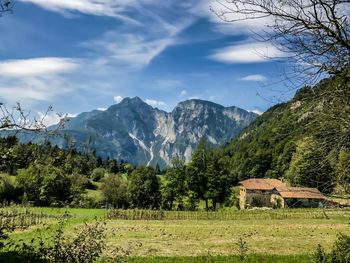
{"x": 85, "y": 247}
{"x": 340, "y": 252}
{"x": 97, "y": 174}
{"x": 8, "y": 191}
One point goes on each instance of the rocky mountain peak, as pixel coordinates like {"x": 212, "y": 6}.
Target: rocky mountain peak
{"x": 136, "y": 132}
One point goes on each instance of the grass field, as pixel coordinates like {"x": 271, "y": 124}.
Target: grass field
{"x": 271, "y": 236}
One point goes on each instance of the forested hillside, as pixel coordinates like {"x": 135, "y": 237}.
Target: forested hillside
{"x": 305, "y": 141}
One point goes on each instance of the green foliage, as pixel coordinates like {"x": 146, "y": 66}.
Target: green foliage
{"x": 175, "y": 187}
{"x": 299, "y": 139}
{"x": 46, "y": 185}
{"x": 85, "y": 247}
{"x": 343, "y": 169}
{"x": 339, "y": 254}
{"x": 310, "y": 167}
{"x": 144, "y": 188}
{"x": 242, "y": 248}
{"x": 97, "y": 174}
{"x": 208, "y": 175}
{"x": 114, "y": 191}
{"x": 8, "y": 191}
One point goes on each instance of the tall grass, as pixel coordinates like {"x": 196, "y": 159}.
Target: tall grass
{"x": 12, "y": 218}
{"x": 280, "y": 214}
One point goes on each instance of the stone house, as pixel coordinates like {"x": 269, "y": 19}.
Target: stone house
{"x": 276, "y": 194}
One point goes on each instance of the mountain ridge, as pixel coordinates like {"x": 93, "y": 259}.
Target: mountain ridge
{"x": 134, "y": 131}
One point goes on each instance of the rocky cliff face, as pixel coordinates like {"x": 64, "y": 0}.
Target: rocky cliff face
{"x": 136, "y": 132}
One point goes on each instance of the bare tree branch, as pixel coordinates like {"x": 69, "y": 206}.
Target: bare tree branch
{"x": 17, "y": 119}
{"x": 6, "y": 6}
{"x": 313, "y": 33}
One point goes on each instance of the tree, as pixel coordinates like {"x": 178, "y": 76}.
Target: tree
{"x": 310, "y": 166}
{"x": 218, "y": 181}
{"x": 114, "y": 191}
{"x": 197, "y": 177}
{"x": 175, "y": 187}
{"x": 45, "y": 185}
{"x": 144, "y": 188}
{"x": 314, "y": 33}
{"x": 343, "y": 169}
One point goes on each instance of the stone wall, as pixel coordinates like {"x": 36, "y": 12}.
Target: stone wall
{"x": 255, "y": 198}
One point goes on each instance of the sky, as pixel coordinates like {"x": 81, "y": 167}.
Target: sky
{"x": 80, "y": 55}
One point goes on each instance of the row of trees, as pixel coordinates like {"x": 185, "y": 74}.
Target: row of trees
{"x": 49, "y": 176}
{"x": 181, "y": 187}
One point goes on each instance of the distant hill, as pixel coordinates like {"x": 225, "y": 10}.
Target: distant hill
{"x": 135, "y": 132}
{"x": 305, "y": 140}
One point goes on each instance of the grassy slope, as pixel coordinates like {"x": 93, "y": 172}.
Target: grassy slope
{"x": 272, "y": 236}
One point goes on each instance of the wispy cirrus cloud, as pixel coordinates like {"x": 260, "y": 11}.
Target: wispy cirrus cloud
{"x": 134, "y": 47}
{"x": 37, "y": 66}
{"x": 246, "y": 53}
{"x": 213, "y": 10}
{"x": 35, "y": 79}
{"x": 110, "y": 8}
{"x": 255, "y": 77}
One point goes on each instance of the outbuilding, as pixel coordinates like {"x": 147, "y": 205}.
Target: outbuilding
{"x": 276, "y": 194}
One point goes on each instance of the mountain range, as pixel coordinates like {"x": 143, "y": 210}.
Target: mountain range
{"x": 136, "y": 132}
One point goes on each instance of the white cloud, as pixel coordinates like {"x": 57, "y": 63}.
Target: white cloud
{"x": 256, "y": 77}
{"x": 53, "y": 117}
{"x": 37, "y": 66}
{"x": 256, "y": 111}
{"x": 156, "y": 103}
{"x": 213, "y": 8}
{"x": 111, "y": 8}
{"x": 183, "y": 93}
{"x": 102, "y": 109}
{"x": 36, "y": 79}
{"x": 118, "y": 99}
{"x": 34, "y": 89}
{"x": 136, "y": 46}
{"x": 247, "y": 53}
{"x": 139, "y": 48}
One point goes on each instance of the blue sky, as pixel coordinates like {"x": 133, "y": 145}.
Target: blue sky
{"x": 79, "y": 55}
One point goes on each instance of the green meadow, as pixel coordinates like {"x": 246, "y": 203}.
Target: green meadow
{"x": 270, "y": 235}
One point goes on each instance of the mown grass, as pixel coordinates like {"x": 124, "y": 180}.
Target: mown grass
{"x": 252, "y": 258}
{"x": 271, "y": 236}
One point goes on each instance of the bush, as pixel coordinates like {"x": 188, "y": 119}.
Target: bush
{"x": 8, "y": 191}
{"x": 97, "y": 174}
{"x": 85, "y": 247}
{"x": 340, "y": 252}
{"x": 46, "y": 185}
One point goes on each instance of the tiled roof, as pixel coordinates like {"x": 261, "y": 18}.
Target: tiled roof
{"x": 282, "y": 188}
{"x": 300, "y": 193}
{"x": 262, "y": 184}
